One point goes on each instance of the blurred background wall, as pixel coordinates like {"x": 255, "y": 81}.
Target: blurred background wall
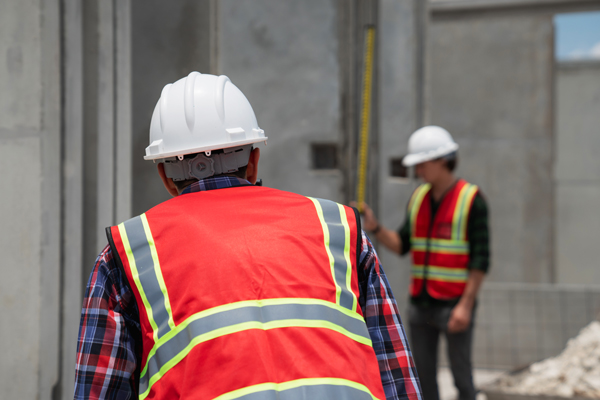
{"x": 80, "y": 80}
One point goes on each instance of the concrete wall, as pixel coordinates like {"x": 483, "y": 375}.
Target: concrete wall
{"x": 577, "y": 172}
{"x": 169, "y": 40}
{"x": 491, "y": 87}
{"x": 288, "y": 68}
{"x": 518, "y": 324}
{"x": 30, "y": 203}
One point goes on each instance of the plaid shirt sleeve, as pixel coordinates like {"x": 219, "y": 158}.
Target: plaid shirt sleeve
{"x": 396, "y": 365}
{"x": 109, "y": 336}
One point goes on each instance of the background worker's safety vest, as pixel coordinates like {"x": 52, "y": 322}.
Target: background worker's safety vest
{"x": 440, "y": 248}
{"x": 248, "y": 293}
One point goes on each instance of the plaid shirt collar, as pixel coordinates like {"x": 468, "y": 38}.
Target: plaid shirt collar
{"x": 218, "y": 182}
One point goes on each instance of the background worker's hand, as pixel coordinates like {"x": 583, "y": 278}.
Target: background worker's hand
{"x": 460, "y": 318}
{"x": 369, "y": 220}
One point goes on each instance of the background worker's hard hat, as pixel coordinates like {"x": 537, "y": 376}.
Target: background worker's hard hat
{"x": 200, "y": 113}
{"x": 428, "y": 143}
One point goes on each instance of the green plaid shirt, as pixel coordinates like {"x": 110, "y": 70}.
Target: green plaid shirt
{"x": 477, "y": 231}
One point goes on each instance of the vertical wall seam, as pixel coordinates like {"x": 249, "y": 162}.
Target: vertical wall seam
{"x": 115, "y": 141}
{"x": 57, "y": 388}
{"x": 214, "y": 37}
{"x": 553, "y": 133}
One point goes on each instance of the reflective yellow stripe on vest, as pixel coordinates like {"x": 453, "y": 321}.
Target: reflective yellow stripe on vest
{"x": 173, "y": 343}
{"x": 415, "y": 205}
{"x": 315, "y": 388}
{"x": 145, "y": 268}
{"x": 337, "y": 244}
{"x": 459, "y": 220}
{"x": 441, "y": 246}
{"x": 442, "y": 274}
{"x": 256, "y": 314}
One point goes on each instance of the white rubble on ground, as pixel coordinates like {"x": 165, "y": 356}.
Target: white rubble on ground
{"x": 574, "y": 372}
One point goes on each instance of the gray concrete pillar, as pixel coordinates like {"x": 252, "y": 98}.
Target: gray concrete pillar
{"x": 30, "y": 129}
{"x": 399, "y": 99}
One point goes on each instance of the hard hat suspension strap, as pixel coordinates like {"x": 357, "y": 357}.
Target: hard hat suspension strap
{"x": 203, "y": 166}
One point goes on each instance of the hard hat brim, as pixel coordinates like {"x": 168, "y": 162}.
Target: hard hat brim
{"x": 176, "y": 153}
{"x": 411, "y": 160}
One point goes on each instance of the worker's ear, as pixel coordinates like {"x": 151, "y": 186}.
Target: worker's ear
{"x": 252, "y": 169}
{"x": 168, "y": 182}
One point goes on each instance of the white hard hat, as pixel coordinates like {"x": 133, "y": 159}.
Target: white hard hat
{"x": 428, "y": 143}
{"x": 200, "y": 113}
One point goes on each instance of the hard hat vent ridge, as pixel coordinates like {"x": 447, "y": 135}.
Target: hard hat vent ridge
{"x": 188, "y": 100}
{"x": 220, "y": 96}
{"x": 164, "y": 95}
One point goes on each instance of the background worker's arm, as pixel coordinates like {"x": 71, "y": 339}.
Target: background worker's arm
{"x": 479, "y": 243}
{"x": 390, "y": 239}
{"x": 460, "y": 318}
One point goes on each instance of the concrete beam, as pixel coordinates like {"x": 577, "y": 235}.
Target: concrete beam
{"x": 349, "y": 67}
{"x": 577, "y": 64}
{"x": 50, "y": 151}
{"x": 443, "y": 6}
{"x": 105, "y": 179}
{"x": 214, "y": 27}
{"x": 123, "y": 110}
{"x": 72, "y": 259}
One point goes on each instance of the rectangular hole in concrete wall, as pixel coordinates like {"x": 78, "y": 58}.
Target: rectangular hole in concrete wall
{"x": 397, "y": 169}
{"x": 324, "y": 156}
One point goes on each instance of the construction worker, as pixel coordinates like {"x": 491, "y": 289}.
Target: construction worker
{"x": 446, "y": 232}
{"x": 232, "y": 290}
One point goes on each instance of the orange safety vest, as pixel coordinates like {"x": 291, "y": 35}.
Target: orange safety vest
{"x": 440, "y": 249}
{"x": 248, "y": 293}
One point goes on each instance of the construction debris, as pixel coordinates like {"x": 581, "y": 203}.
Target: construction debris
{"x": 574, "y": 372}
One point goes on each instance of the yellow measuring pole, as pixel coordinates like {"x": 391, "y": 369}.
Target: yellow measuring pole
{"x": 365, "y": 125}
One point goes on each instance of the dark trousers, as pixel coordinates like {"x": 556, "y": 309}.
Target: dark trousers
{"x": 426, "y": 324}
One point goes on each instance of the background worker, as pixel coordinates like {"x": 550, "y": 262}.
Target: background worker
{"x": 446, "y": 231}
{"x": 232, "y": 289}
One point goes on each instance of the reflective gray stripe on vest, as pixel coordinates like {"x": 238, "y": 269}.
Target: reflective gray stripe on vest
{"x": 311, "y": 392}
{"x": 268, "y": 313}
{"x": 337, "y": 244}
{"x": 147, "y": 274}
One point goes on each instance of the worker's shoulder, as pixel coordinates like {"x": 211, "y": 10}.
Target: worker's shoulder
{"x": 479, "y": 200}
{"x": 106, "y": 273}
{"x": 422, "y": 187}
{"x": 479, "y": 193}
{"x": 105, "y": 257}
{"x": 479, "y": 204}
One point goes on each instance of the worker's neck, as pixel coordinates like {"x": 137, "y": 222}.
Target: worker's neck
{"x": 440, "y": 186}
